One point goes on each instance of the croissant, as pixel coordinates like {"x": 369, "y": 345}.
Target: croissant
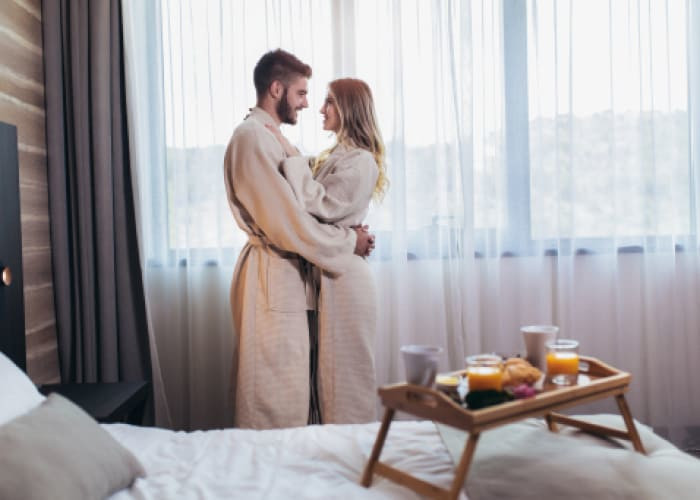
{"x": 518, "y": 371}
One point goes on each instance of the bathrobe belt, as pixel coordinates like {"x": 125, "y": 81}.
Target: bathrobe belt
{"x": 311, "y": 278}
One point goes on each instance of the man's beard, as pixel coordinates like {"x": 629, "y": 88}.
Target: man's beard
{"x": 284, "y": 110}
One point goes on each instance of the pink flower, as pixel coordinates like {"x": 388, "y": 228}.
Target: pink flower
{"x": 523, "y": 391}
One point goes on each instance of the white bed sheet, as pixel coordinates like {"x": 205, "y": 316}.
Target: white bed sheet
{"x": 317, "y": 462}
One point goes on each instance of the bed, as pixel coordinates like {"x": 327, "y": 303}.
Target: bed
{"x": 51, "y": 449}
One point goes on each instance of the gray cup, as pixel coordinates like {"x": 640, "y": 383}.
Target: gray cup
{"x": 535, "y": 338}
{"x": 421, "y": 363}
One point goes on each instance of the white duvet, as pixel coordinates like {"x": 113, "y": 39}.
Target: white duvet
{"x": 308, "y": 462}
{"x": 521, "y": 460}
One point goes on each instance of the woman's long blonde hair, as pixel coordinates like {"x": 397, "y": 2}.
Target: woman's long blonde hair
{"x": 358, "y": 126}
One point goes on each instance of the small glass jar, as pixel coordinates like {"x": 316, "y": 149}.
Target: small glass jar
{"x": 485, "y": 372}
{"x": 562, "y": 361}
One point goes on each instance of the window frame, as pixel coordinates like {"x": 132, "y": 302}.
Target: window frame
{"x": 517, "y": 233}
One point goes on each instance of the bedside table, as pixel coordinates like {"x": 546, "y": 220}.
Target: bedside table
{"x": 106, "y": 402}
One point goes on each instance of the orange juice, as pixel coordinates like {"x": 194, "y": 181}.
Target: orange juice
{"x": 562, "y": 363}
{"x": 483, "y": 378}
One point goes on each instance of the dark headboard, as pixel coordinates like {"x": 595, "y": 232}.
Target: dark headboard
{"x": 12, "y": 336}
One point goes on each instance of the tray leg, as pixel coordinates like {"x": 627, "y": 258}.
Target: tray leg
{"x": 377, "y": 449}
{"x": 551, "y": 422}
{"x": 629, "y": 422}
{"x": 463, "y": 467}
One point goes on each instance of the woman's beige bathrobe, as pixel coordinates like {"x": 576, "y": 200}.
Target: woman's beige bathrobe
{"x": 340, "y": 194}
{"x": 268, "y": 294}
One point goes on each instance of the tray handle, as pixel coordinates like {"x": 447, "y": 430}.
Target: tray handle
{"x": 424, "y": 402}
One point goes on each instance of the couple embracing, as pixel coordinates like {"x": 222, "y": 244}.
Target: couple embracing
{"x": 302, "y": 278}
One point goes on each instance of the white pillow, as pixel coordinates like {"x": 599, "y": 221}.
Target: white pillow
{"x": 18, "y": 394}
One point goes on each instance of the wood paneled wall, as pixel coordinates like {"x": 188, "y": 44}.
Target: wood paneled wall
{"x": 22, "y": 104}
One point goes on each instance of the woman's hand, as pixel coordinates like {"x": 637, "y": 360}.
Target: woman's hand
{"x": 288, "y": 148}
{"x": 365, "y": 241}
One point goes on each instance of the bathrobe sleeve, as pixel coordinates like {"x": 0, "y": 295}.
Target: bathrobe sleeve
{"x": 346, "y": 189}
{"x": 253, "y": 175}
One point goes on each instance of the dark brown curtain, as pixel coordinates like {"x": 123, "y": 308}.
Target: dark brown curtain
{"x": 100, "y": 307}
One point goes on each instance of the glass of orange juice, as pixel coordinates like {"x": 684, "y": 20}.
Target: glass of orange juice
{"x": 484, "y": 372}
{"x": 562, "y": 361}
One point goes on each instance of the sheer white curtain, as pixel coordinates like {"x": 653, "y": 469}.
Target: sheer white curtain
{"x": 613, "y": 188}
{"x": 540, "y": 172}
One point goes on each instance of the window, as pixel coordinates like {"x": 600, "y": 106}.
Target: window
{"x": 608, "y": 124}
{"x": 517, "y": 127}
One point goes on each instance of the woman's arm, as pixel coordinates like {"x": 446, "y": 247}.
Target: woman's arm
{"x": 346, "y": 190}
{"x": 258, "y": 192}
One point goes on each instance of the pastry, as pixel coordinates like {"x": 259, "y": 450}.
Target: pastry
{"x": 518, "y": 371}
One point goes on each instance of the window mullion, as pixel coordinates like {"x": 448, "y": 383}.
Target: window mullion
{"x": 517, "y": 232}
{"x": 343, "y": 21}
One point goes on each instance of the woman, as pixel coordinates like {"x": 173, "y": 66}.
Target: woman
{"x": 336, "y": 188}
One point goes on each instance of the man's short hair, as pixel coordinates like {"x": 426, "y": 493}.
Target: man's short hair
{"x": 278, "y": 65}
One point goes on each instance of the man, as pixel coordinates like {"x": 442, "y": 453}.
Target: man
{"x": 268, "y": 291}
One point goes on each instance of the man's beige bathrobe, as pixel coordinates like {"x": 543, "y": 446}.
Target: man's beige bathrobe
{"x": 340, "y": 194}
{"x": 268, "y": 294}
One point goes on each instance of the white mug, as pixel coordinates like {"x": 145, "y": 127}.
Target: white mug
{"x": 420, "y": 362}
{"x": 535, "y": 338}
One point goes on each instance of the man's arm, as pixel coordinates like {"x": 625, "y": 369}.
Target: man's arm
{"x": 268, "y": 199}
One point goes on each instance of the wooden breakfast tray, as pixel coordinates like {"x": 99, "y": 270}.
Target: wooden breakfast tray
{"x": 596, "y": 380}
